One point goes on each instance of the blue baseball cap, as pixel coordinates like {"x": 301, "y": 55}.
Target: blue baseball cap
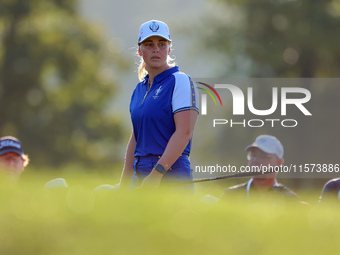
{"x": 10, "y": 144}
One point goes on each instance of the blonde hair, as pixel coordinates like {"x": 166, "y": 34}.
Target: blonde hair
{"x": 142, "y": 69}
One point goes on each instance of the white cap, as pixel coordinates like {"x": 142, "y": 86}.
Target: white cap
{"x": 268, "y": 144}
{"x": 106, "y": 188}
{"x": 153, "y": 28}
{"x": 56, "y": 183}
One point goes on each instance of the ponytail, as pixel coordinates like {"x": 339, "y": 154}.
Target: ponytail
{"x": 141, "y": 70}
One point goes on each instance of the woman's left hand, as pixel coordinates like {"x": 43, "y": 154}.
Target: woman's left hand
{"x": 153, "y": 179}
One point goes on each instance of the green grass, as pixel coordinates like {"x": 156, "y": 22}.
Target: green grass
{"x": 78, "y": 221}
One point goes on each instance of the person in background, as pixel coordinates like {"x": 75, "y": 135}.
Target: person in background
{"x": 12, "y": 158}
{"x": 266, "y": 151}
{"x": 330, "y": 191}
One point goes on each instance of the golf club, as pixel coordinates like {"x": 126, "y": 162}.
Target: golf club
{"x": 237, "y": 175}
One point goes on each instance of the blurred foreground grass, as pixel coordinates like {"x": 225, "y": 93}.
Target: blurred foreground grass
{"x": 79, "y": 221}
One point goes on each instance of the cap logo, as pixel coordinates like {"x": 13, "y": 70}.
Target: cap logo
{"x": 262, "y": 140}
{"x": 9, "y": 143}
{"x": 154, "y": 26}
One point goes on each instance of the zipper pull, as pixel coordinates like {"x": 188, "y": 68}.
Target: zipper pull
{"x": 147, "y": 92}
{"x": 145, "y": 96}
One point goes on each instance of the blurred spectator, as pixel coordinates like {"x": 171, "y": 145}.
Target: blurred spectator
{"x": 266, "y": 151}
{"x": 107, "y": 188}
{"x": 58, "y": 183}
{"x": 12, "y": 158}
{"x": 331, "y": 190}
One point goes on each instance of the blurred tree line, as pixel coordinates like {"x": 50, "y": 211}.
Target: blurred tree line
{"x": 283, "y": 38}
{"x": 56, "y": 82}
{"x": 280, "y": 39}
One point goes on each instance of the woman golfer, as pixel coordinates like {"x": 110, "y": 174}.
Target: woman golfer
{"x": 164, "y": 109}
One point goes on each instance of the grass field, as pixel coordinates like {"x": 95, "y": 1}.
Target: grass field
{"x": 77, "y": 220}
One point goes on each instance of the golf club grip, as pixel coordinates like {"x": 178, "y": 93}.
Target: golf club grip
{"x": 238, "y": 175}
